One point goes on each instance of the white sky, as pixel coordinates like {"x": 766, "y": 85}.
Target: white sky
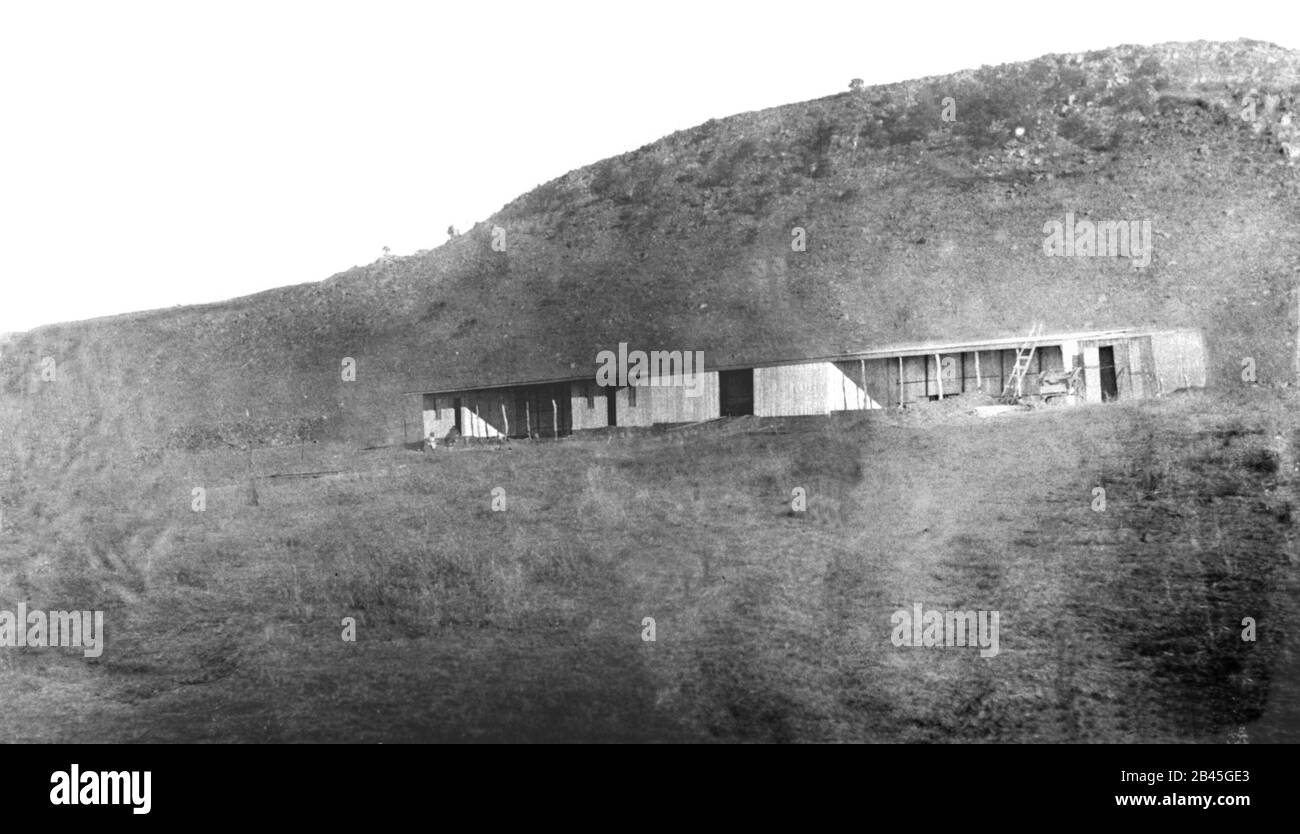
{"x": 154, "y": 154}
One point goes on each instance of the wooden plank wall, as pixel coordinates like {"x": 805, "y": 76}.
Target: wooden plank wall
{"x": 791, "y": 390}
{"x": 438, "y": 415}
{"x": 670, "y": 404}
{"x": 823, "y": 387}
{"x": 588, "y": 405}
{"x": 1178, "y": 359}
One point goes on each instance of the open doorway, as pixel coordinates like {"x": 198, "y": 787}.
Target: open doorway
{"x": 611, "y": 406}
{"x": 1109, "y": 378}
{"x": 736, "y": 389}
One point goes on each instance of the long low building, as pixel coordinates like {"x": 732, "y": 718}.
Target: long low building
{"x": 1116, "y": 364}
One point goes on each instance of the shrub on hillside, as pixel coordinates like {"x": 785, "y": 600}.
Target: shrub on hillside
{"x": 605, "y": 179}
{"x": 1078, "y": 128}
{"x": 727, "y": 167}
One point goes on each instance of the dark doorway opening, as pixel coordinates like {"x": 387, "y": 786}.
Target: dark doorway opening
{"x": 736, "y": 389}
{"x": 455, "y": 407}
{"x": 1109, "y": 379}
{"x": 611, "y": 406}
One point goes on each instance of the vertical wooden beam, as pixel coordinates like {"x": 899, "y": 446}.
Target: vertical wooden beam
{"x": 900, "y": 382}
{"x": 862, "y": 372}
{"x": 504, "y": 418}
{"x": 555, "y": 419}
{"x": 979, "y": 381}
{"x": 938, "y": 374}
{"x": 528, "y": 418}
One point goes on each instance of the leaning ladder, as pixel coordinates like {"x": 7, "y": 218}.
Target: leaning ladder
{"x": 1024, "y": 355}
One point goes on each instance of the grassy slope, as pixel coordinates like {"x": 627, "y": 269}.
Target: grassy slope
{"x": 525, "y": 624}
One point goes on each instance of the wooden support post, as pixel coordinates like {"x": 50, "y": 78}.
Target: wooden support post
{"x": 900, "y": 382}
{"x": 555, "y": 419}
{"x": 528, "y": 420}
{"x": 979, "y": 380}
{"x": 504, "y": 419}
{"x": 477, "y": 419}
{"x": 938, "y": 374}
{"x": 862, "y": 373}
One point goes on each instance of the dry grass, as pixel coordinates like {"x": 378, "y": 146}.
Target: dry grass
{"x": 771, "y": 625}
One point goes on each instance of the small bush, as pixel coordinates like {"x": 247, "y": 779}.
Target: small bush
{"x": 1263, "y": 461}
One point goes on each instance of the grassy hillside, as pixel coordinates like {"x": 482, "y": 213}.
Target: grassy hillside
{"x": 526, "y": 623}
{"x": 916, "y": 228}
